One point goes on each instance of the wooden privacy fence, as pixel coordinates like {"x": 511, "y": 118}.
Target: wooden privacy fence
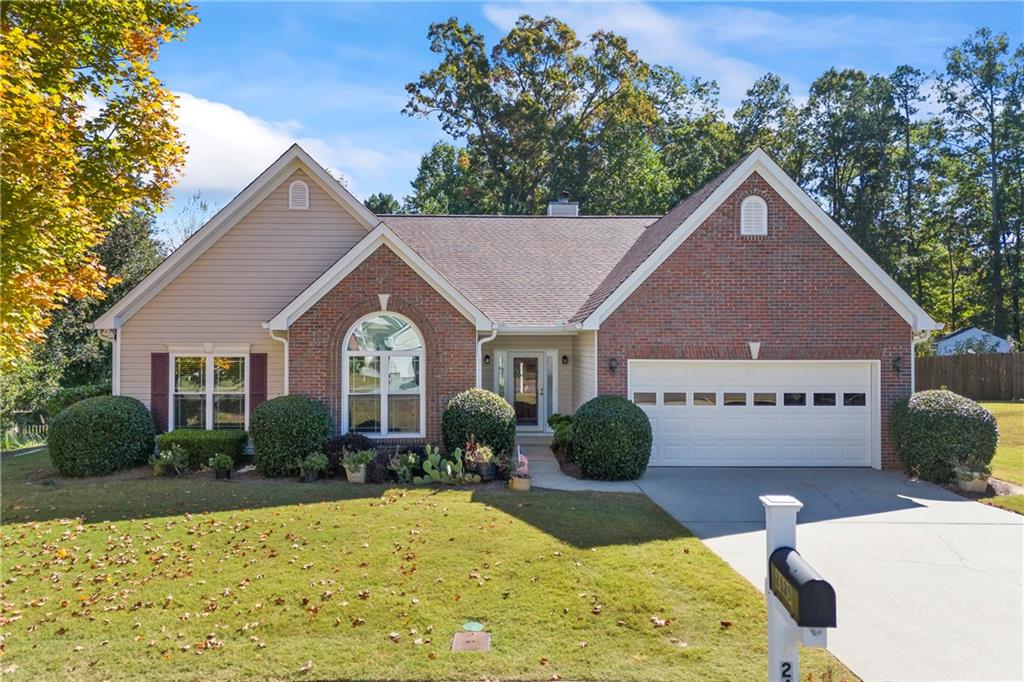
{"x": 979, "y": 376}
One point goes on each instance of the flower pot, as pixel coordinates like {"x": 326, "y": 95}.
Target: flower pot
{"x": 973, "y": 485}
{"x": 310, "y": 477}
{"x": 487, "y": 470}
{"x": 519, "y": 484}
{"x": 222, "y": 473}
{"x": 356, "y": 475}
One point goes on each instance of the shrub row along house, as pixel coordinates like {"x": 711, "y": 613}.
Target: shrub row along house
{"x": 746, "y": 324}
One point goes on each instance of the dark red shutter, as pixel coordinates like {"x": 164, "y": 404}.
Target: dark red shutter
{"x": 159, "y": 375}
{"x": 257, "y": 380}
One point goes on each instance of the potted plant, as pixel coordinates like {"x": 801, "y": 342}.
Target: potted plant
{"x": 520, "y": 479}
{"x": 172, "y": 462}
{"x": 972, "y": 476}
{"x": 221, "y": 465}
{"x": 312, "y": 466}
{"x": 355, "y": 464}
{"x": 480, "y": 458}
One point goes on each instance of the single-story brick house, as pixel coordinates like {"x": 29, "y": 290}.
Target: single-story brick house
{"x": 745, "y": 322}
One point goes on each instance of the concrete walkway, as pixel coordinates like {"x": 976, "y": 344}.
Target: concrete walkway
{"x": 929, "y": 585}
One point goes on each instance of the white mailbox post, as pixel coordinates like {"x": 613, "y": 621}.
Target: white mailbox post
{"x": 800, "y": 604}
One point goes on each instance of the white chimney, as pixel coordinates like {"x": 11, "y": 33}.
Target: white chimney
{"x": 563, "y": 207}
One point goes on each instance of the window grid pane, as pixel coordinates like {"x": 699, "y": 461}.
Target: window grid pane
{"x": 228, "y": 375}
{"x": 189, "y": 374}
{"x": 734, "y": 399}
{"x": 645, "y": 398}
{"x": 824, "y": 399}
{"x": 189, "y": 411}
{"x": 674, "y": 398}
{"x": 704, "y": 398}
{"x": 229, "y": 411}
{"x": 764, "y": 399}
{"x": 855, "y": 399}
{"x": 794, "y": 399}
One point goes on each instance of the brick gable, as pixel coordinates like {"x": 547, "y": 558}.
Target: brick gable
{"x": 790, "y": 290}
{"x": 315, "y": 353}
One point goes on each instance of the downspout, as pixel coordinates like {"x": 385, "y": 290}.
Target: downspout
{"x": 113, "y": 337}
{"x": 283, "y": 342}
{"x": 479, "y": 355}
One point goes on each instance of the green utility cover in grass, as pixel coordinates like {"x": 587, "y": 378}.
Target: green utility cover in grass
{"x": 473, "y": 626}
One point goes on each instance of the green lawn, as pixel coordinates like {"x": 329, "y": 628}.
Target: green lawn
{"x": 200, "y": 579}
{"x": 1008, "y": 463}
{"x": 1014, "y": 503}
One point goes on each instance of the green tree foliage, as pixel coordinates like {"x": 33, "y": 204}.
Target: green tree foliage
{"x": 380, "y": 203}
{"x": 935, "y": 197}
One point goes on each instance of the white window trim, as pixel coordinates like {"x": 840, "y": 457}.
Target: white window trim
{"x": 385, "y": 379}
{"x": 183, "y": 352}
{"x": 292, "y": 186}
{"x": 760, "y": 230}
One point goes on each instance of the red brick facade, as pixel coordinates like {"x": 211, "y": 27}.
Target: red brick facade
{"x": 315, "y": 353}
{"x": 789, "y": 290}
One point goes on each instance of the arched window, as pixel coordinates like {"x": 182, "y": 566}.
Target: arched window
{"x": 753, "y": 216}
{"x": 298, "y": 195}
{"x": 382, "y": 378}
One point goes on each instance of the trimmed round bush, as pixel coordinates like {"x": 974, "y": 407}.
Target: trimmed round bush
{"x": 285, "y": 430}
{"x": 98, "y": 436}
{"x": 479, "y": 413}
{"x": 937, "y": 430}
{"x": 611, "y": 439}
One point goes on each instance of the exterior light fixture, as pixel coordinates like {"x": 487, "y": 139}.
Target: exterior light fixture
{"x": 487, "y": 359}
{"x": 613, "y": 364}
{"x": 897, "y": 364}
{"x": 565, "y": 359}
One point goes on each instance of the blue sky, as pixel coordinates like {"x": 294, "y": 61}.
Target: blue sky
{"x": 253, "y": 77}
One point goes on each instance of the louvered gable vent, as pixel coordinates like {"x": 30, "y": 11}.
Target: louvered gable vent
{"x": 298, "y": 195}
{"x": 754, "y": 216}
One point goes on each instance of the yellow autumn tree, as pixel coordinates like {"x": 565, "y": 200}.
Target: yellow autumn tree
{"x": 86, "y": 134}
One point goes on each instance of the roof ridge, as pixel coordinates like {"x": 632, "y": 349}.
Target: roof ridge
{"x": 515, "y": 215}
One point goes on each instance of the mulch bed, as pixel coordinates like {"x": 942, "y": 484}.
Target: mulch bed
{"x": 568, "y": 468}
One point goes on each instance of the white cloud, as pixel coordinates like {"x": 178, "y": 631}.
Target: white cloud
{"x": 229, "y": 147}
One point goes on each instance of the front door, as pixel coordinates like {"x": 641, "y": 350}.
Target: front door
{"x": 526, "y": 389}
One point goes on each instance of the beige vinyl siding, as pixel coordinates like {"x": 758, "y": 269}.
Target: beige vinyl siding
{"x": 241, "y": 281}
{"x": 561, "y": 344}
{"x": 584, "y": 375}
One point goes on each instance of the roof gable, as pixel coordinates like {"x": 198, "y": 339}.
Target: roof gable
{"x": 665, "y": 236}
{"x": 382, "y": 235}
{"x": 259, "y": 189}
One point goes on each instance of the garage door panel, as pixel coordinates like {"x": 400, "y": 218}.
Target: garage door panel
{"x": 757, "y": 434}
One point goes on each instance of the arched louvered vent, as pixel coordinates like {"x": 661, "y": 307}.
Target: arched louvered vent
{"x": 298, "y": 195}
{"x": 754, "y": 216}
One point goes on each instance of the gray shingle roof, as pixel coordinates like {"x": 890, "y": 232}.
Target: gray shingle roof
{"x": 648, "y": 242}
{"x": 522, "y": 270}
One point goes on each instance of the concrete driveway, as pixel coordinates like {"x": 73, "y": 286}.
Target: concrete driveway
{"x": 928, "y": 584}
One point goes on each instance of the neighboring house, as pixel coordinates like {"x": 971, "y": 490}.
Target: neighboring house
{"x": 970, "y": 340}
{"x": 745, "y": 322}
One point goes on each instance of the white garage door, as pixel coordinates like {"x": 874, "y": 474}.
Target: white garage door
{"x": 757, "y": 413}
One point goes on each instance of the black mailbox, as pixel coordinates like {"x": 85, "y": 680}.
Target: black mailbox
{"x": 810, "y": 600}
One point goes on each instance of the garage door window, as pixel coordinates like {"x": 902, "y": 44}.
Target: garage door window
{"x": 855, "y": 399}
{"x": 824, "y": 399}
{"x": 645, "y": 398}
{"x": 794, "y": 399}
{"x": 764, "y": 399}
{"x": 675, "y": 399}
{"x": 704, "y": 399}
{"x": 734, "y": 399}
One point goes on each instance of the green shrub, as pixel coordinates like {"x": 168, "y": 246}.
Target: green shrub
{"x": 936, "y": 431}
{"x": 315, "y": 463}
{"x": 221, "y": 462}
{"x": 101, "y": 435}
{"x": 200, "y": 445}
{"x": 353, "y": 460}
{"x": 562, "y": 440}
{"x": 66, "y": 397}
{"x": 286, "y": 430}
{"x": 482, "y": 414}
{"x": 557, "y": 419}
{"x": 611, "y": 439}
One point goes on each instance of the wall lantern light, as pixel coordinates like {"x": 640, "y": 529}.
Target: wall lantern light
{"x": 565, "y": 359}
{"x": 897, "y": 364}
{"x": 487, "y": 359}
{"x": 613, "y": 364}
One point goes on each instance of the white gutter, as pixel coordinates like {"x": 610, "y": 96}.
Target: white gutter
{"x": 283, "y": 342}
{"x": 479, "y": 354}
{"x": 539, "y": 329}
